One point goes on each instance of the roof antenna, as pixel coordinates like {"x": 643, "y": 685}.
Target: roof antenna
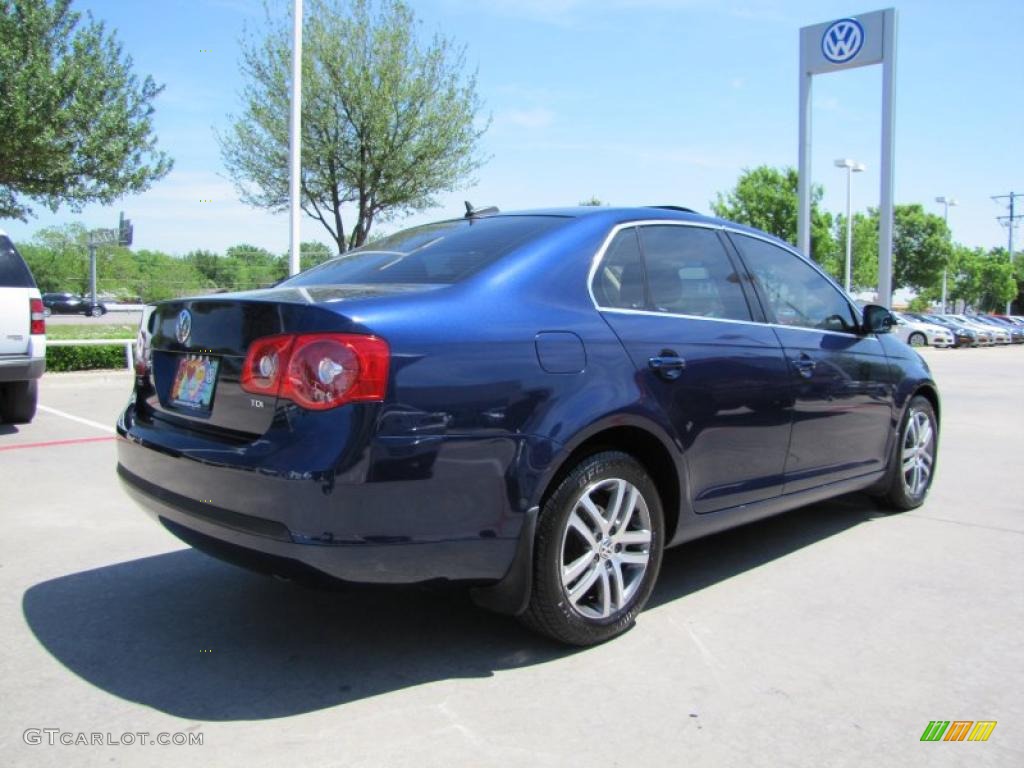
{"x": 473, "y": 213}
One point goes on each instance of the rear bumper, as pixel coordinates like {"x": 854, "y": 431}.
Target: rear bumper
{"x": 21, "y": 368}
{"x": 452, "y": 522}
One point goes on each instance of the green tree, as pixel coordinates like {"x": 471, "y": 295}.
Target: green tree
{"x": 163, "y": 276}
{"x": 766, "y": 198}
{"x": 206, "y": 263}
{"x": 997, "y": 281}
{"x": 312, "y": 253}
{"x": 921, "y": 247}
{"x": 593, "y": 201}
{"x": 964, "y": 274}
{"x": 58, "y": 257}
{"x": 864, "y": 267}
{"x": 76, "y": 124}
{"x": 387, "y": 122}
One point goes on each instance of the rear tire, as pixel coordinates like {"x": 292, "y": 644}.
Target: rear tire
{"x": 598, "y": 550}
{"x": 18, "y": 401}
{"x": 912, "y": 464}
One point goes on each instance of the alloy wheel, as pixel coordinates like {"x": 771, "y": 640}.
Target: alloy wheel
{"x": 606, "y": 548}
{"x": 918, "y": 453}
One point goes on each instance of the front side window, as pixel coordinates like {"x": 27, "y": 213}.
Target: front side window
{"x": 797, "y": 294}
{"x": 689, "y": 273}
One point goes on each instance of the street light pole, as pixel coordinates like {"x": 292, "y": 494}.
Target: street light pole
{"x": 946, "y": 202}
{"x": 851, "y": 167}
{"x": 295, "y": 143}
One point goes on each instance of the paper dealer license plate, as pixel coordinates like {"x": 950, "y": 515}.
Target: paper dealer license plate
{"x": 194, "y": 382}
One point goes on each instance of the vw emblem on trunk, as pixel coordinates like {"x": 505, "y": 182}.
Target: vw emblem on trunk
{"x": 184, "y": 327}
{"x": 842, "y": 40}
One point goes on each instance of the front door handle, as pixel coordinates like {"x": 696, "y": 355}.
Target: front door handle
{"x": 667, "y": 365}
{"x": 804, "y": 366}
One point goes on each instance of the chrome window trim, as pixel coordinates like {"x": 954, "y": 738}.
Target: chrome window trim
{"x": 599, "y": 255}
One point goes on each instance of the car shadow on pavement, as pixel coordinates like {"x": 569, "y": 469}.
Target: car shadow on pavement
{"x": 198, "y": 639}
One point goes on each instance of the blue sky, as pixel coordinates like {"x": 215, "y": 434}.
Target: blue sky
{"x": 634, "y": 101}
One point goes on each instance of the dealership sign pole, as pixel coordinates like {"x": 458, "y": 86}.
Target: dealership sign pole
{"x": 856, "y": 41}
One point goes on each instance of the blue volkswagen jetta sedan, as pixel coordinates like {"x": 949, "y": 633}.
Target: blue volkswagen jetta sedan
{"x": 533, "y": 404}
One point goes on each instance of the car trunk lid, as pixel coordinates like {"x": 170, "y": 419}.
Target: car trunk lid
{"x": 198, "y": 347}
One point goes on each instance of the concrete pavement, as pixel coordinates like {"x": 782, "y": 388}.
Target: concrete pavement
{"x": 828, "y": 636}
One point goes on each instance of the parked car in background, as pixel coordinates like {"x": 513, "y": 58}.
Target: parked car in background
{"x": 918, "y": 333}
{"x": 70, "y": 304}
{"x": 999, "y": 335}
{"x": 983, "y": 337}
{"x": 22, "y": 336}
{"x": 963, "y": 336}
{"x": 532, "y": 404}
{"x": 1016, "y": 330}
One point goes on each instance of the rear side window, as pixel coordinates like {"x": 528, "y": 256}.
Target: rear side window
{"x": 689, "y": 273}
{"x": 797, "y": 294}
{"x": 14, "y": 273}
{"x": 619, "y": 281}
{"x": 435, "y": 254}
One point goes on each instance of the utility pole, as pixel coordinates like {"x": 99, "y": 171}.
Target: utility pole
{"x": 1009, "y": 222}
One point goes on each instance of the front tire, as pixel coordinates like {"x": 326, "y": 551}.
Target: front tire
{"x": 18, "y": 401}
{"x": 912, "y": 465}
{"x": 598, "y": 550}
{"x": 918, "y": 340}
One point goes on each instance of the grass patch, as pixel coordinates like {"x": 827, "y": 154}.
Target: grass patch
{"x": 122, "y": 331}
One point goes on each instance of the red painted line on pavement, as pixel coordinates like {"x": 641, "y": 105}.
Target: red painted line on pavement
{"x": 49, "y": 443}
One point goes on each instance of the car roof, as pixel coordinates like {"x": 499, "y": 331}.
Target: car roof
{"x": 626, "y": 214}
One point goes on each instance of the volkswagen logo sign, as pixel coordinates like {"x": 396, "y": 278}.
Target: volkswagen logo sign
{"x": 842, "y": 40}
{"x": 184, "y": 327}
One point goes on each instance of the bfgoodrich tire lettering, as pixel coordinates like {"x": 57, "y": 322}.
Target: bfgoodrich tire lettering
{"x": 598, "y": 551}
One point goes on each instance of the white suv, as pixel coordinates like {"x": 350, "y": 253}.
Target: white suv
{"x": 22, "y": 336}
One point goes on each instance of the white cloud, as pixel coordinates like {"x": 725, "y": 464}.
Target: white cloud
{"x": 532, "y": 118}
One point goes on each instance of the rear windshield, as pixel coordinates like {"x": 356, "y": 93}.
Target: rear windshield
{"x": 13, "y": 270}
{"x": 436, "y": 253}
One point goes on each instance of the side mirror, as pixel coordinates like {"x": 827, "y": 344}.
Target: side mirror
{"x": 878, "y": 319}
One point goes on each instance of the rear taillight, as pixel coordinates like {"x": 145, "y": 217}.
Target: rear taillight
{"x": 318, "y": 370}
{"x": 38, "y": 316}
{"x": 143, "y": 353}
{"x": 262, "y": 371}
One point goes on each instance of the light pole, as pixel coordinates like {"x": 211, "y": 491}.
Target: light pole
{"x": 295, "y": 145}
{"x": 946, "y": 201}
{"x": 852, "y": 167}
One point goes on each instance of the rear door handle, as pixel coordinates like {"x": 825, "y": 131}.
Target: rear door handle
{"x": 668, "y": 366}
{"x": 804, "y": 365}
